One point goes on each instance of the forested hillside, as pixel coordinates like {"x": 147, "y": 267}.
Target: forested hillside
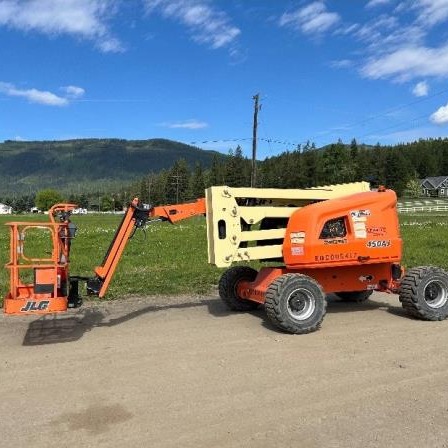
{"x": 393, "y": 166}
{"x": 88, "y": 165}
{"x": 185, "y": 173}
{"x": 398, "y": 167}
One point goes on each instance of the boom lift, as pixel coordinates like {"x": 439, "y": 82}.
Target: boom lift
{"x": 341, "y": 239}
{"x": 52, "y": 288}
{"x": 347, "y": 245}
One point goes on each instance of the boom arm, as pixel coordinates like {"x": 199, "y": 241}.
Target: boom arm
{"x": 135, "y": 217}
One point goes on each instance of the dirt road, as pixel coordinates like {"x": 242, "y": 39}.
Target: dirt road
{"x": 183, "y": 372}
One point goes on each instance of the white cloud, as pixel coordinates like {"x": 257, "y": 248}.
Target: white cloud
{"x": 421, "y": 89}
{"x": 440, "y": 116}
{"x": 188, "y": 124}
{"x": 395, "y": 46}
{"x": 374, "y": 3}
{"x": 431, "y": 12}
{"x": 312, "y": 19}
{"x": 386, "y": 34}
{"x": 342, "y": 63}
{"x": 207, "y": 25}
{"x": 33, "y": 95}
{"x": 82, "y": 18}
{"x": 407, "y": 63}
{"x": 73, "y": 92}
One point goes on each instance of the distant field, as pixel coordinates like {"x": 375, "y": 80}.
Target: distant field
{"x": 173, "y": 258}
{"x": 425, "y": 237}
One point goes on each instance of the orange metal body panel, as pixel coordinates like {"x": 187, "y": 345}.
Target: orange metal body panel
{"x": 336, "y": 279}
{"x": 372, "y": 232}
{"x": 358, "y": 256}
{"x": 35, "y": 304}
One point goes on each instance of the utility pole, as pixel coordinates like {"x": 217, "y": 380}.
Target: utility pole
{"x": 176, "y": 182}
{"x": 253, "y": 178}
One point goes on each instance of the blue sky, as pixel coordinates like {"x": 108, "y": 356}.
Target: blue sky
{"x": 374, "y": 70}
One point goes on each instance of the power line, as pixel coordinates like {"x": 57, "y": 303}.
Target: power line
{"x": 253, "y": 180}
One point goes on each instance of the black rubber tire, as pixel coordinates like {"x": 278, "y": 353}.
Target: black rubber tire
{"x": 297, "y": 291}
{"x": 354, "y": 296}
{"x": 228, "y": 284}
{"x": 424, "y": 293}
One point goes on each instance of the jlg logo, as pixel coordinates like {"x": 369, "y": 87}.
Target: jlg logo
{"x": 35, "y": 306}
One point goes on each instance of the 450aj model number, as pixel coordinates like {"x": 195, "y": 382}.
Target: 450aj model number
{"x": 379, "y": 243}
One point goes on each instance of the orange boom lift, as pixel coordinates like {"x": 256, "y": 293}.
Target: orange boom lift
{"x": 52, "y": 288}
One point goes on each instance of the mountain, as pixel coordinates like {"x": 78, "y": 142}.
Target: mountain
{"x": 93, "y": 163}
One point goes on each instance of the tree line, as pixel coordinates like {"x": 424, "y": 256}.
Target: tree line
{"x": 398, "y": 167}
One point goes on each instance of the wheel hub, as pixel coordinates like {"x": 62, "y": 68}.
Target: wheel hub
{"x": 435, "y": 294}
{"x": 301, "y": 304}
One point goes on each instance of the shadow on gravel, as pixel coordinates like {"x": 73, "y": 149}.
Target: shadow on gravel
{"x": 56, "y": 328}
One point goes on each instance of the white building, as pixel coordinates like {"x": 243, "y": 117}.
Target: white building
{"x": 5, "y": 209}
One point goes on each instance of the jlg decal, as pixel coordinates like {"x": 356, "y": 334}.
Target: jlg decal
{"x": 360, "y": 213}
{"x": 378, "y": 243}
{"x": 35, "y": 306}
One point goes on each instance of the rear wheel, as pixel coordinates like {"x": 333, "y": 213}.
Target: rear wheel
{"x": 295, "y": 303}
{"x": 424, "y": 293}
{"x": 228, "y": 288}
{"x": 354, "y": 296}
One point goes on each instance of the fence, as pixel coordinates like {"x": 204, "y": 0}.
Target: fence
{"x": 423, "y": 208}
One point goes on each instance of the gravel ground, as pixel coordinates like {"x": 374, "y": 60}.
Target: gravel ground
{"x": 184, "y": 372}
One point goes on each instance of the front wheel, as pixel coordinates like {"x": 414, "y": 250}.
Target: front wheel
{"x": 295, "y": 303}
{"x": 424, "y": 293}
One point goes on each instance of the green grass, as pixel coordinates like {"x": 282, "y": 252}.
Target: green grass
{"x": 425, "y": 239}
{"x": 173, "y": 258}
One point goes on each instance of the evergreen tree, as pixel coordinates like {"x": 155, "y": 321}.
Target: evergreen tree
{"x": 83, "y": 201}
{"x": 237, "y": 169}
{"x": 159, "y": 186}
{"x": 197, "y": 182}
{"x": 178, "y": 181}
{"x": 397, "y": 171}
{"x": 357, "y": 175}
{"x": 311, "y": 166}
{"x": 216, "y": 173}
{"x": 337, "y": 167}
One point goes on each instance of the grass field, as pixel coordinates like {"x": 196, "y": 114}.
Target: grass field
{"x": 173, "y": 258}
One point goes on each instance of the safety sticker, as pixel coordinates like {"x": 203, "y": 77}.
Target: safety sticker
{"x": 360, "y": 229}
{"x": 359, "y": 214}
{"x": 297, "y": 250}
{"x": 297, "y": 237}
